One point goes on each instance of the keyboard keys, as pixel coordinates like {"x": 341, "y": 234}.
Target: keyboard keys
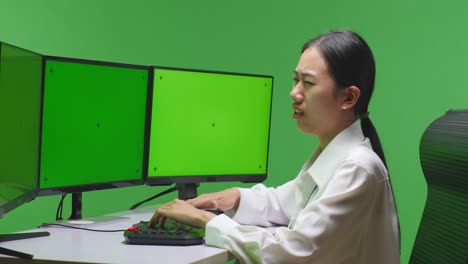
{"x": 172, "y": 233}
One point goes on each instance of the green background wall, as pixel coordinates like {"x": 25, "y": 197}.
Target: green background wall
{"x": 420, "y": 49}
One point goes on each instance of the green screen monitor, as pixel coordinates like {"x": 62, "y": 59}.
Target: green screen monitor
{"x": 208, "y": 127}
{"x": 93, "y": 125}
{"x": 20, "y": 108}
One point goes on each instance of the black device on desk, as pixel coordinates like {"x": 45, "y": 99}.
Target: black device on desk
{"x": 173, "y": 233}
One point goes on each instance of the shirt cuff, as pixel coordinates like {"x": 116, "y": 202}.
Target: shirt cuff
{"x": 217, "y": 230}
{"x": 246, "y": 213}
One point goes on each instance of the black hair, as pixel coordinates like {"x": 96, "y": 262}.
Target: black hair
{"x": 350, "y": 62}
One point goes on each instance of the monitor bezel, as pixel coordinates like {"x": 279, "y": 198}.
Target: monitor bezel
{"x": 188, "y": 179}
{"x": 101, "y": 185}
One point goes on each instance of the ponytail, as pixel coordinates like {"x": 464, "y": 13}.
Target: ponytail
{"x": 370, "y": 132}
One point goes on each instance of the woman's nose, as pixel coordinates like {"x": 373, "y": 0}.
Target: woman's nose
{"x": 295, "y": 93}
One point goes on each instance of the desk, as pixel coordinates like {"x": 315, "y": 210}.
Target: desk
{"x": 72, "y": 245}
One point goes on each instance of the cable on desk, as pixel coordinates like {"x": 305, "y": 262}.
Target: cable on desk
{"x": 154, "y": 197}
{"x": 81, "y": 228}
{"x": 58, "y": 215}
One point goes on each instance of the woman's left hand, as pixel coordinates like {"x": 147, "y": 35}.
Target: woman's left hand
{"x": 183, "y": 212}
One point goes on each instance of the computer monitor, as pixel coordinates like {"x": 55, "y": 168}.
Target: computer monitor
{"x": 20, "y": 75}
{"x": 208, "y": 126}
{"x": 93, "y": 125}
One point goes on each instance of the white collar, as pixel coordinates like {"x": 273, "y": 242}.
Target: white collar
{"x": 322, "y": 164}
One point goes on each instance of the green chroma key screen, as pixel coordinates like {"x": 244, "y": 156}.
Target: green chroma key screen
{"x": 208, "y": 123}
{"x": 20, "y": 105}
{"x": 93, "y": 125}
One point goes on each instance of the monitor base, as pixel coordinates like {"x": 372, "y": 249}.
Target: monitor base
{"x": 17, "y": 236}
{"x": 13, "y": 253}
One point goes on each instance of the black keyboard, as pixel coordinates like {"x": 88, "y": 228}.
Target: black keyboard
{"x": 173, "y": 233}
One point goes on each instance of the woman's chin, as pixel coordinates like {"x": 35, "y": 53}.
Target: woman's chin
{"x": 306, "y": 129}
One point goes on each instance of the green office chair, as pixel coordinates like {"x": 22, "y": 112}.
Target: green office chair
{"x": 443, "y": 233}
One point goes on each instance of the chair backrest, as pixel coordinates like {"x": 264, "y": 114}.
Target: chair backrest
{"x": 443, "y": 233}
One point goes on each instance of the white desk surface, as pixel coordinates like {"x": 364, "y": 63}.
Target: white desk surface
{"x": 75, "y": 245}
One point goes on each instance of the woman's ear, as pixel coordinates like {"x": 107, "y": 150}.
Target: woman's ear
{"x": 350, "y": 97}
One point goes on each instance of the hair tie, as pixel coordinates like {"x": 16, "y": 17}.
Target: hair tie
{"x": 364, "y": 115}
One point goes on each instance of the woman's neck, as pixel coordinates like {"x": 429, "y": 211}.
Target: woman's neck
{"x": 326, "y": 137}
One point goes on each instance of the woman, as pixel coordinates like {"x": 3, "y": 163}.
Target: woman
{"x": 340, "y": 208}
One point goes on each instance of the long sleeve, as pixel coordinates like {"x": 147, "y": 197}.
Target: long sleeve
{"x": 263, "y": 206}
{"x": 330, "y": 229}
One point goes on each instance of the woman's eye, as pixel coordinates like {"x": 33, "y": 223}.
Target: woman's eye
{"x": 307, "y": 83}
{"x": 296, "y": 80}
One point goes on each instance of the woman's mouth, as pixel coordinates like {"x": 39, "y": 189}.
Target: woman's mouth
{"x": 297, "y": 114}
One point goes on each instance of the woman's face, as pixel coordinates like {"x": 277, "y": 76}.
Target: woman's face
{"x": 317, "y": 103}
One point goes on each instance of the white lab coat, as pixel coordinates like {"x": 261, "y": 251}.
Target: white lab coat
{"x": 339, "y": 209}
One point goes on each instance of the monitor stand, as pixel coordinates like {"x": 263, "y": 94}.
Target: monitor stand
{"x": 10, "y": 237}
{"x": 77, "y": 206}
{"x": 77, "y": 209}
{"x": 187, "y": 190}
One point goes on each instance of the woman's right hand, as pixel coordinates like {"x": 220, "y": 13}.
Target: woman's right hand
{"x": 223, "y": 200}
